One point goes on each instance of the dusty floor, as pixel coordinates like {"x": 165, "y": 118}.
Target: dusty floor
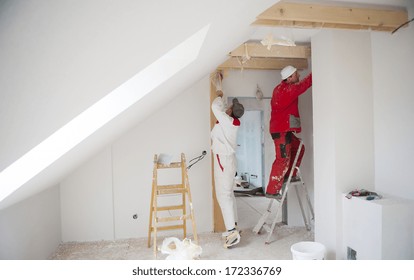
{"x": 251, "y": 247}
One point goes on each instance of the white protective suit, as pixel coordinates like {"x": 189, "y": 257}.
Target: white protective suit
{"x": 224, "y": 143}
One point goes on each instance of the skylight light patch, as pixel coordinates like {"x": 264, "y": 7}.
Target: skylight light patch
{"x": 96, "y": 116}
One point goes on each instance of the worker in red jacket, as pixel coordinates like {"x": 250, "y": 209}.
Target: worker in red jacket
{"x": 284, "y": 123}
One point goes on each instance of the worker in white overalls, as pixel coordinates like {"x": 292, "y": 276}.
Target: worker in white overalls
{"x": 224, "y": 137}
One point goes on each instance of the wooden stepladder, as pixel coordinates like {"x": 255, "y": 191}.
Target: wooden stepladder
{"x": 179, "y": 221}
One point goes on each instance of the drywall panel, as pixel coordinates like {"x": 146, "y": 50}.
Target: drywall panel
{"x": 324, "y": 140}
{"x": 392, "y": 56}
{"x": 30, "y": 230}
{"x": 343, "y": 126}
{"x": 393, "y": 60}
{"x": 182, "y": 126}
{"x": 87, "y": 201}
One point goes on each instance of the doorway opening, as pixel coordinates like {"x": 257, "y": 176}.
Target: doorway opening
{"x": 249, "y": 151}
{"x": 250, "y": 177}
{"x": 244, "y": 85}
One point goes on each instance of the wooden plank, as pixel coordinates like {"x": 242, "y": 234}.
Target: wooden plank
{"x": 173, "y": 218}
{"x": 265, "y": 63}
{"x": 171, "y": 165}
{"x": 258, "y": 50}
{"x": 169, "y": 227}
{"x": 218, "y": 222}
{"x": 319, "y": 25}
{"x": 171, "y": 191}
{"x": 333, "y": 16}
{"x": 153, "y": 205}
{"x": 166, "y": 187}
{"x": 167, "y": 208}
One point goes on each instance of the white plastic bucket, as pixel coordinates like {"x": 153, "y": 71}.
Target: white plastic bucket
{"x": 308, "y": 250}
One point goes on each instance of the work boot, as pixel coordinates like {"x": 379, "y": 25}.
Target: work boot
{"x": 232, "y": 239}
{"x": 227, "y": 233}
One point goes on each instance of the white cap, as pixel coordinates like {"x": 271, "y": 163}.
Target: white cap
{"x": 287, "y": 71}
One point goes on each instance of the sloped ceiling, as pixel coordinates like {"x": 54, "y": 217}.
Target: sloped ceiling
{"x": 60, "y": 57}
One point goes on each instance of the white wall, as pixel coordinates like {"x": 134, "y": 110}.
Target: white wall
{"x": 362, "y": 114}
{"x": 106, "y": 192}
{"x": 87, "y": 201}
{"x": 180, "y": 127}
{"x": 393, "y": 61}
{"x": 31, "y": 229}
{"x": 343, "y": 127}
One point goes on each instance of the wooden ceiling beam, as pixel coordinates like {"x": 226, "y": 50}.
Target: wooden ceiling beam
{"x": 264, "y": 63}
{"x": 254, "y": 49}
{"x": 307, "y": 15}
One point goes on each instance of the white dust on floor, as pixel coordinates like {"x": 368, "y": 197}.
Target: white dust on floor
{"x": 251, "y": 247}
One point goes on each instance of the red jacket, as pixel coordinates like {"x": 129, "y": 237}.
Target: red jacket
{"x": 285, "y": 112}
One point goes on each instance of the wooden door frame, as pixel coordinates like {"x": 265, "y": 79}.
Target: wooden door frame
{"x": 218, "y": 222}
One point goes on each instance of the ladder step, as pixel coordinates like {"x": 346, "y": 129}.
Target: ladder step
{"x": 171, "y": 191}
{"x": 173, "y": 218}
{"x": 168, "y": 227}
{"x": 171, "y": 165}
{"x": 166, "y": 208}
{"x": 167, "y": 187}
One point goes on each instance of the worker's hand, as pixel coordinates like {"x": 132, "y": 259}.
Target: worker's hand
{"x": 219, "y": 93}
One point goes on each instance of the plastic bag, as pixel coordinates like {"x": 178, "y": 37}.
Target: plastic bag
{"x": 180, "y": 250}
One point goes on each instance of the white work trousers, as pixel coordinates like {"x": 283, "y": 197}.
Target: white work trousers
{"x": 224, "y": 173}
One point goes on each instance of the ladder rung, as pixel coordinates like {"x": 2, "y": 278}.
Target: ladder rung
{"x": 171, "y": 165}
{"x": 168, "y": 227}
{"x": 166, "y": 187}
{"x": 173, "y": 218}
{"x": 176, "y": 188}
{"x": 171, "y": 191}
{"x": 166, "y": 208}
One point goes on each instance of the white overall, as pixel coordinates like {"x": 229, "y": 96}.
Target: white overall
{"x": 224, "y": 137}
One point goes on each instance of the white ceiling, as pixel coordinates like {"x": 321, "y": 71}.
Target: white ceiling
{"x": 58, "y": 60}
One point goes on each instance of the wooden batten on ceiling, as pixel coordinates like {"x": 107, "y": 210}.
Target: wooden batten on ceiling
{"x": 307, "y": 15}
{"x": 256, "y": 49}
{"x": 262, "y": 63}
{"x": 262, "y": 58}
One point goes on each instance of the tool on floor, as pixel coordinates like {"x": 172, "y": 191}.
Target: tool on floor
{"x": 183, "y": 190}
{"x": 297, "y": 183}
